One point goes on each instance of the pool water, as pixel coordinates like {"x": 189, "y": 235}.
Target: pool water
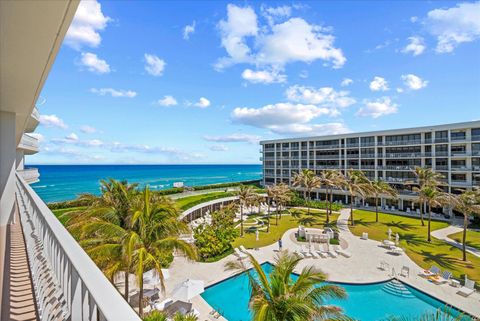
{"x": 365, "y": 302}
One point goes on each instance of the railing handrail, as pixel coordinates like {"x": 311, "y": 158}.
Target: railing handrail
{"x": 108, "y": 300}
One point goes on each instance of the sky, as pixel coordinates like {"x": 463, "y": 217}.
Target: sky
{"x": 180, "y": 82}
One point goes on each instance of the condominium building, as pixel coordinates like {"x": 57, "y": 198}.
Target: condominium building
{"x": 44, "y": 273}
{"x": 453, "y": 150}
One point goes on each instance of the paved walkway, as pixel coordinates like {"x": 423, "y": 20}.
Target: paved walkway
{"x": 443, "y": 234}
{"x": 362, "y": 267}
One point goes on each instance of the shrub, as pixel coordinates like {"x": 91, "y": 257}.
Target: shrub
{"x": 334, "y": 242}
{"x": 255, "y": 183}
{"x": 68, "y": 204}
{"x": 170, "y": 191}
{"x": 297, "y": 201}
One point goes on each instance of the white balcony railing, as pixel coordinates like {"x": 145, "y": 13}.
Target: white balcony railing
{"x": 29, "y": 144}
{"x": 67, "y": 283}
{"x": 30, "y": 175}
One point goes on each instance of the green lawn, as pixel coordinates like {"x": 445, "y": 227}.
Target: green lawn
{"x": 473, "y": 238}
{"x": 413, "y": 237}
{"x": 185, "y": 203}
{"x": 276, "y": 231}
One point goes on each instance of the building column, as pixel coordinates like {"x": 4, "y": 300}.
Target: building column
{"x": 7, "y": 184}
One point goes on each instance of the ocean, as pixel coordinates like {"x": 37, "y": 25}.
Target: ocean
{"x": 66, "y": 182}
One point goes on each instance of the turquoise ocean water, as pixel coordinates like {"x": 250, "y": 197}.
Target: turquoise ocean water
{"x": 66, "y": 182}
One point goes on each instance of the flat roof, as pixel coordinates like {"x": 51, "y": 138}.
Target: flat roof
{"x": 462, "y": 125}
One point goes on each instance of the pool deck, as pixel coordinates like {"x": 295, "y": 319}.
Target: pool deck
{"x": 362, "y": 267}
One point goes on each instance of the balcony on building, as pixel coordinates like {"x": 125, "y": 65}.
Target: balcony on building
{"x": 28, "y": 144}
{"x": 29, "y": 175}
{"x": 32, "y": 121}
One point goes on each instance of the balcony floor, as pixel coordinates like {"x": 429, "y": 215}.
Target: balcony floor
{"x": 20, "y": 295}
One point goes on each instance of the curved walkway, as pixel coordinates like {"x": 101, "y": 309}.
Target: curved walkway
{"x": 362, "y": 267}
{"x": 442, "y": 234}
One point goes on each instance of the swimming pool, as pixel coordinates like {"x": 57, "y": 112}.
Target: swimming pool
{"x": 365, "y": 302}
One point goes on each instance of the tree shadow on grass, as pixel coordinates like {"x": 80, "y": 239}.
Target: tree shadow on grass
{"x": 444, "y": 260}
{"x": 400, "y": 225}
{"x": 362, "y": 222}
{"x": 414, "y": 239}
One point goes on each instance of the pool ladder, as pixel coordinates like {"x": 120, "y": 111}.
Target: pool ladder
{"x": 397, "y": 288}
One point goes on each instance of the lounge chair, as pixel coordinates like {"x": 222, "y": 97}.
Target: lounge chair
{"x": 305, "y": 251}
{"x": 299, "y": 254}
{"x": 441, "y": 279}
{"x": 239, "y": 253}
{"x": 314, "y": 254}
{"x": 384, "y": 265}
{"x": 332, "y": 253}
{"x": 162, "y": 305}
{"x": 342, "y": 252}
{"x": 433, "y": 271}
{"x": 468, "y": 288}
{"x": 405, "y": 271}
{"x": 396, "y": 250}
{"x": 322, "y": 252}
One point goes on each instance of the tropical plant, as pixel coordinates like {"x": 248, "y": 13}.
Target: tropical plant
{"x": 443, "y": 314}
{"x": 156, "y": 229}
{"x": 467, "y": 203}
{"x": 156, "y": 315}
{"x": 246, "y": 196}
{"x": 282, "y": 196}
{"x": 270, "y": 196}
{"x": 425, "y": 176}
{"x": 279, "y": 297}
{"x": 110, "y": 211}
{"x": 357, "y": 184}
{"x": 433, "y": 197}
{"x": 379, "y": 188}
{"x": 307, "y": 180}
{"x": 216, "y": 238}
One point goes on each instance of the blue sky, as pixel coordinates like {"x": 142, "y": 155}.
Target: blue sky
{"x": 204, "y": 81}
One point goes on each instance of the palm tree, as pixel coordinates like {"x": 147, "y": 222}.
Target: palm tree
{"x": 433, "y": 197}
{"x": 329, "y": 178}
{"x": 282, "y": 197}
{"x": 357, "y": 184}
{"x": 426, "y": 176}
{"x": 156, "y": 228}
{"x": 309, "y": 181}
{"x": 379, "y": 188}
{"x": 277, "y": 297}
{"x": 110, "y": 210}
{"x": 270, "y": 195}
{"x": 467, "y": 203}
{"x": 245, "y": 194}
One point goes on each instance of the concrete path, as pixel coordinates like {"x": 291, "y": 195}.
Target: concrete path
{"x": 442, "y": 234}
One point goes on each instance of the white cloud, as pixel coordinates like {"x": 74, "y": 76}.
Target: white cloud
{"x": 93, "y": 63}
{"x": 167, "y": 101}
{"x": 379, "y": 107}
{"x": 263, "y": 76}
{"x": 275, "y": 44}
{"x": 52, "y": 121}
{"x": 455, "y": 25}
{"x": 233, "y": 138}
{"x": 88, "y": 129}
{"x": 303, "y": 74}
{"x": 188, "y": 30}
{"x": 414, "y": 82}
{"x": 85, "y": 27}
{"x": 324, "y": 96}
{"x": 171, "y": 153}
{"x": 399, "y": 90}
{"x": 218, "y": 148}
{"x": 416, "y": 46}
{"x": 378, "y": 84}
{"x": 277, "y": 116}
{"x": 154, "y": 65}
{"x": 273, "y": 14}
{"x": 113, "y": 92}
{"x": 346, "y": 82}
{"x": 202, "y": 103}
{"x": 72, "y": 137}
{"x": 413, "y": 19}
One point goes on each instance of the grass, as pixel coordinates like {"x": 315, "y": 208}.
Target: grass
{"x": 276, "y": 231}
{"x": 185, "y": 203}
{"x": 473, "y": 238}
{"x": 413, "y": 238}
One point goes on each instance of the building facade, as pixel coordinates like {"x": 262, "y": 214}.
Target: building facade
{"x": 453, "y": 150}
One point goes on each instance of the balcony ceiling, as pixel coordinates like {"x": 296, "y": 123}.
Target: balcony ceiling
{"x": 31, "y": 33}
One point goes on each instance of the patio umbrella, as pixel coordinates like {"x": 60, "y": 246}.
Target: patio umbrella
{"x": 389, "y": 233}
{"x": 188, "y": 289}
{"x": 397, "y": 239}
